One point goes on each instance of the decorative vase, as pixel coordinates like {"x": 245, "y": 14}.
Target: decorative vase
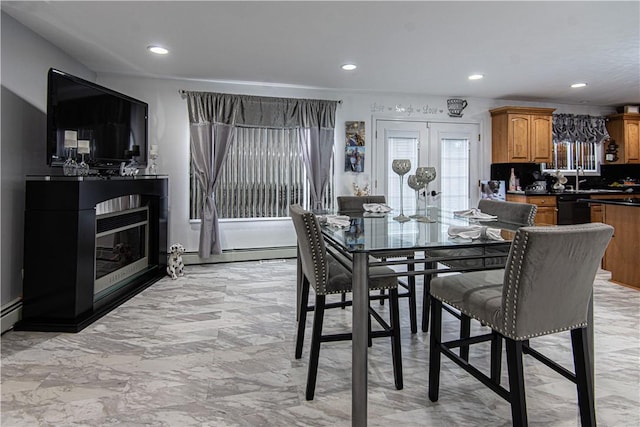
{"x": 401, "y": 167}
{"x": 70, "y": 167}
{"x": 413, "y": 183}
{"x": 153, "y": 168}
{"x": 424, "y": 176}
{"x": 153, "y": 155}
{"x": 83, "y": 168}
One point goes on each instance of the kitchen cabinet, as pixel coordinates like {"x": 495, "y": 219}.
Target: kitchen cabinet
{"x": 547, "y": 207}
{"x": 625, "y": 131}
{"x": 521, "y": 134}
{"x": 596, "y": 208}
{"x": 621, "y": 256}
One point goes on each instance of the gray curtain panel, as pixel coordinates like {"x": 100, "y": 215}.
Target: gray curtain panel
{"x": 213, "y": 118}
{"x": 317, "y": 150}
{"x": 209, "y": 146}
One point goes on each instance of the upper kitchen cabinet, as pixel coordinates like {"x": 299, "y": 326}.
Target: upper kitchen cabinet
{"x": 625, "y": 131}
{"x": 521, "y": 134}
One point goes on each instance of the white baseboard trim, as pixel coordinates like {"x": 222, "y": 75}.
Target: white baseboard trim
{"x": 11, "y": 313}
{"x": 234, "y": 255}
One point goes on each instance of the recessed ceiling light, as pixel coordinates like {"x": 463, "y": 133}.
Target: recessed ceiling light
{"x": 349, "y": 67}
{"x": 158, "y": 50}
{"x": 476, "y": 76}
{"x": 578, "y": 85}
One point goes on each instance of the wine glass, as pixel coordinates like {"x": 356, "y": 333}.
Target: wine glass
{"x": 413, "y": 183}
{"x": 425, "y": 175}
{"x": 401, "y": 167}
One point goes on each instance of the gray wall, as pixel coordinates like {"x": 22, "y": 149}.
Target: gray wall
{"x": 26, "y": 58}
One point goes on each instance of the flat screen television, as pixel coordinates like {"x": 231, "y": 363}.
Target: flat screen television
{"x": 114, "y": 124}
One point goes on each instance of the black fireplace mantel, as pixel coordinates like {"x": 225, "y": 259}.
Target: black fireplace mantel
{"x": 59, "y": 248}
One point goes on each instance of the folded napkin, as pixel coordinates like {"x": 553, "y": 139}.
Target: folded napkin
{"x": 474, "y": 213}
{"x": 338, "y": 221}
{"x": 376, "y": 207}
{"x": 475, "y": 232}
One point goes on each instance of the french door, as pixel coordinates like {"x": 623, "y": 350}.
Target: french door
{"x": 452, "y": 148}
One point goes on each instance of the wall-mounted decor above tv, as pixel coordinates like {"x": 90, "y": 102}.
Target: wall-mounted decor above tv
{"x": 114, "y": 124}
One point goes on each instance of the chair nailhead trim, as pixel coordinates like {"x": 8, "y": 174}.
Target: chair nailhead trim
{"x": 532, "y": 215}
{"x": 319, "y": 263}
{"x": 512, "y": 279}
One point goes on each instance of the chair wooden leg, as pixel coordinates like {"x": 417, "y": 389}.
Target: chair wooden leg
{"x": 496, "y": 357}
{"x": 434, "y": 349}
{"x": 302, "y": 319}
{"x": 516, "y": 383}
{"x": 584, "y": 382}
{"x": 343, "y": 299}
{"x": 426, "y": 297}
{"x": 396, "y": 347}
{"x": 382, "y": 293}
{"x": 465, "y": 332}
{"x": 314, "y": 354}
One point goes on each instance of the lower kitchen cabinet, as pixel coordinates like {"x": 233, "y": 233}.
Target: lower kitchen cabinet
{"x": 596, "y": 209}
{"x": 547, "y": 208}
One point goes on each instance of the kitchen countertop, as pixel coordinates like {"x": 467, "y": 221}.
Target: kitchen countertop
{"x": 631, "y": 201}
{"x": 569, "y": 192}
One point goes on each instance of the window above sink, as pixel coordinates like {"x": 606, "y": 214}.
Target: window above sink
{"x": 569, "y": 156}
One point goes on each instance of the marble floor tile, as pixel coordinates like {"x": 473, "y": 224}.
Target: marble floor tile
{"x": 215, "y": 348}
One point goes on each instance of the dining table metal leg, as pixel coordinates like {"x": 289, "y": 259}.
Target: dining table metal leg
{"x": 360, "y": 334}
{"x": 299, "y": 279}
{"x": 591, "y": 338}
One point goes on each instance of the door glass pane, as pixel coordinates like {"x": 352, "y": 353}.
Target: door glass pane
{"x": 401, "y": 148}
{"x": 454, "y": 174}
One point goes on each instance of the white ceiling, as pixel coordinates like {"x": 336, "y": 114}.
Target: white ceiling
{"x": 528, "y": 51}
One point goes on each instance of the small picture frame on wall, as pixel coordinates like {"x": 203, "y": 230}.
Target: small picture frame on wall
{"x": 354, "y": 147}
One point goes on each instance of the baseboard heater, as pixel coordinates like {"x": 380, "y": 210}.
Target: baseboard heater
{"x": 10, "y": 314}
{"x": 237, "y": 255}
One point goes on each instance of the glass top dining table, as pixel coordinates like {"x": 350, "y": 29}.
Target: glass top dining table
{"x": 377, "y": 234}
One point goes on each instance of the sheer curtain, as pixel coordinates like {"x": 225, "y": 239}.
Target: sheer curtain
{"x": 213, "y": 119}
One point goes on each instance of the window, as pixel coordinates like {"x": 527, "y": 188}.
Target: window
{"x": 568, "y": 156}
{"x": 263, "y": 174}
{"x": 454, "y": 173}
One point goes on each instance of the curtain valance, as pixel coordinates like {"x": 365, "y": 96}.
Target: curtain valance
{"x": 260, "y": 111}
{"x": 581, "y": 128}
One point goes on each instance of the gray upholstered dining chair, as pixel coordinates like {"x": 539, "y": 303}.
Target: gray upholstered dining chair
{"x": 327, "y": 274}
{"x": 545, "y": 288}
{"x": 355, "y": 204}
{"x": 507, "y": 212}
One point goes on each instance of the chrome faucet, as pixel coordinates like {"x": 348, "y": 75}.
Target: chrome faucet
{"x": 579, "y": 172}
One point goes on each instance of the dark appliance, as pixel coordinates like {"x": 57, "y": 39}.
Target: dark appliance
{"x": 570, "y": 211}
{"x": 115, "y": 124}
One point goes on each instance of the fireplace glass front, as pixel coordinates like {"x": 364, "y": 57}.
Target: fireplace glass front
{"x": 122, "y": 247}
